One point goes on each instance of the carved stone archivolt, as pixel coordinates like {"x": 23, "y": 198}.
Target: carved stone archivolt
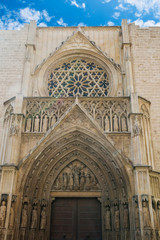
{"x": 76, "y": 176}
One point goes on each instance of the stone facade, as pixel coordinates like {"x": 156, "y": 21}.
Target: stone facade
{"x": 79, "y": 117}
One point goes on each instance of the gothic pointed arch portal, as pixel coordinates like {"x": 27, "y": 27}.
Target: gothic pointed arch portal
{"x": 76, "y": 163}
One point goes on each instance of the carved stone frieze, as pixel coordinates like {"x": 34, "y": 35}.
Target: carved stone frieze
{"x": 76, "y": 176}
{"x": 111, "y": 115}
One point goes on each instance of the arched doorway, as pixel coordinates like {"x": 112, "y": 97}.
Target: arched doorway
{"x": 80, "y": 167}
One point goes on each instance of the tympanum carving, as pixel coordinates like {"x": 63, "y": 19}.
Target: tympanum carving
{"x": 76, "y": 176}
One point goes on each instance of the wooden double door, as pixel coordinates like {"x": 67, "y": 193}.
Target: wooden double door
{"x": 76, "y": 219}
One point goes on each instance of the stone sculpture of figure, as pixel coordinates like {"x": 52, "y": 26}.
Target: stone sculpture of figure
{"x": 11, "y": 218}
{"x": 108, "y": 219}
{"x": 53, "y": 121}
{"x": 82, "y": 181}
{"x": 106, "y": 123}
{"x": 71, "y": 181}
{"x": 76, "y": 179}
{"x": 43, "y": 218}
{"x": 65, "y": 180}
{"x": 116, "y": 218}
{"x": 34, "y": 218}
{"x": 28, "y": 125}
{"x": 45, "y": 124}
{"x": 36, "y": 124}
{"x": 115, "y": 120}
{"x": 88, "y": 182}
{"x": 125, "y": 217}
{"x": 2, "y": 214}
{"x": 123, "y": 124}
{"x": 24, "y": 216}
{"x": 60, "y": 181}
{"x": 137, "y": 222}
{"x": 146, "y": 216}
{"x": 155, "y": 218}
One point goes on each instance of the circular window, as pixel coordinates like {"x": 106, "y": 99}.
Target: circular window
{"x": 78, "y": 77}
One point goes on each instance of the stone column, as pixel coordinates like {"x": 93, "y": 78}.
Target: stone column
{"x": 26, "y": 88}
{"x": 127, "y": 65}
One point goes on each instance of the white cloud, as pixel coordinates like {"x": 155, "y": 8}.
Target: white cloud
{"x": 121, "y": 7}
{"x": 116, "y": 15}
{"x": 42, "y": 24}
{"x": 15, "y": 19}
{"x": 144, "y": 5}
{"x": 46, "y": 15}
{"x": 110, "y": 23}
{"x": 82, "y": 24}
{"x": 106, "y": 1}
{"x": 61, "y": 22}
{"x": 138, "y": 14}
{"x": 27, "y": 14}
{"x": 10, "y": 24}
{"x": 149, "y": 23}
{"x": 74, "y": 3}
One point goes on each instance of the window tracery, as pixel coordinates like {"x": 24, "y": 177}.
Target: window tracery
{"x": 78, "y": 77}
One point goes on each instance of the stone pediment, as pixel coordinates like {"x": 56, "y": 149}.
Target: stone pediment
{"x": 79, "y": 41}
{"x": 77, "y": 117}
{"x": 76, "y": 42}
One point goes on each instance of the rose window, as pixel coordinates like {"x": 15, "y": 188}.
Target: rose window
{"x": 78, "y": 77}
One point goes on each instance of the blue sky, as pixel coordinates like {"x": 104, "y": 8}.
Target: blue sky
{"x": 14, "y": 13}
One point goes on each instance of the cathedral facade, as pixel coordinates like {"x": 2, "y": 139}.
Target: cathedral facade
{"x": 80, "y": 133}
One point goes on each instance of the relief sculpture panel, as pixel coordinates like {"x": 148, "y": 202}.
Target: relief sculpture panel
{"x": 76, "y": 176}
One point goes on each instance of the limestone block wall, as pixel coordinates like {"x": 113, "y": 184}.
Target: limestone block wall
{"x": 107, "y": 38}
{"x": 12, "y": 53}
{"x": 145, "y": 50}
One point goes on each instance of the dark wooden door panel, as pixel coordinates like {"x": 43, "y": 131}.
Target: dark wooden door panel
{"x": 89, "y": 219}
{"x": 63, "y": 219}
{"x": 76, "y": 219}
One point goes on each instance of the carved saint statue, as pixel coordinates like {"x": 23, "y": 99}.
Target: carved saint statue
{"x": 36, "y": 124}
{"x": 116, "y": 218}
{"x": 34, "y": 218}
{"x": 146, "y": 216}
{"x": 137, "y": 222}
{"x": 115, "y": 121}
{"x": 123, "y": 124}
{"x": 126, "y": 217}
{"x": 45, "y": 124}
{"x": 24, "y": 216}
{"x": 65, "y": 180}
{"x": 11, "y": 218}
{"x": 106, "y": 123}
{"x": 43, "y": 218}
{"x": 71, "y": 181}
{"x": 28, "y": 125}
{"x": 76, "y": 178}
{"x": 2, "y": 214}
{"x": 108, "y": 219}
{"x": 53, "y": 121}
{"x": 82, "y": 180}
{"x": 155, "y": 218}
{"x": 88, "y": 181}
